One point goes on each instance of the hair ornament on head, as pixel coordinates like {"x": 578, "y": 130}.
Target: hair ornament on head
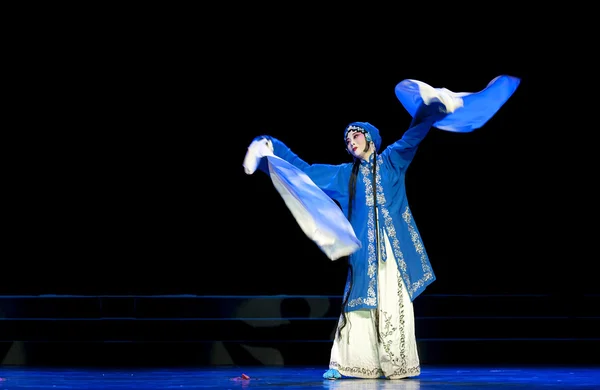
{"x": 360, "y": 130}
{"x": 371, "y": 132}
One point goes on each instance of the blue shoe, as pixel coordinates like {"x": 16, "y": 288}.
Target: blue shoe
{"x": 332, "y": 374}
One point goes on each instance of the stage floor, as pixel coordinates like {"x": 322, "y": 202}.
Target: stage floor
{"x": 431, "y": 378}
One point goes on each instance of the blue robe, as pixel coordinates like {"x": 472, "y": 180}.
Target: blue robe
{"x": 465, "y": 111}
{"x": 393, "y": 214}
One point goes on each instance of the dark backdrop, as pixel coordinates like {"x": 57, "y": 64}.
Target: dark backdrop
{"x": 127, "y": 176}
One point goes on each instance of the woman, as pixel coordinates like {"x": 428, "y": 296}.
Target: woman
{"x": 375, "y": 334}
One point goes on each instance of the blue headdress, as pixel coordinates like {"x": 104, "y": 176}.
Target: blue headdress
{"x": 371, "y": 132}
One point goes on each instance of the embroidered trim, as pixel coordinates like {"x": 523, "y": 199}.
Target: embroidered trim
{"x": 420, "y": 249}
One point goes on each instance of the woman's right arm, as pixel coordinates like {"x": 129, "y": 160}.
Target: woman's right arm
{"x": 329, "y": 178}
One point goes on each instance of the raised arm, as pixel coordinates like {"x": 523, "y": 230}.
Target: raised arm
{"x": 332, "y": 179}
{"x": 401, "y": 153}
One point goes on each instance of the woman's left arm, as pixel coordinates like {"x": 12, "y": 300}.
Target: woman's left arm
{"x": 401, "y": 153}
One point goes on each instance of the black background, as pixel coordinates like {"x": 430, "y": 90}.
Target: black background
{"x": 126, "y": 175}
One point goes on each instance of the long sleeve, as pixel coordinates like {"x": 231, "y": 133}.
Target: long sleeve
{"x": 314, "y": 210}
{"x": 331, "y": 179}
{"x": 401, "y": 153}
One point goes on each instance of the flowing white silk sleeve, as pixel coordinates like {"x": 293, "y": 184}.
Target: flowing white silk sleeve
{"x": 317, "y": 214}
{"x": 467, "y": 110}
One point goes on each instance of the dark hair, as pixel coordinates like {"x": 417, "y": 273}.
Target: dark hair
{"x": 351, "y": 198}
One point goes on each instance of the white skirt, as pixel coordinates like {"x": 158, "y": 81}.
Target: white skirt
{"x": 358, "y": 353}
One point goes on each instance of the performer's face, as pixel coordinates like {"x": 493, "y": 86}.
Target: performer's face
{"x": 357, "y": 145}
